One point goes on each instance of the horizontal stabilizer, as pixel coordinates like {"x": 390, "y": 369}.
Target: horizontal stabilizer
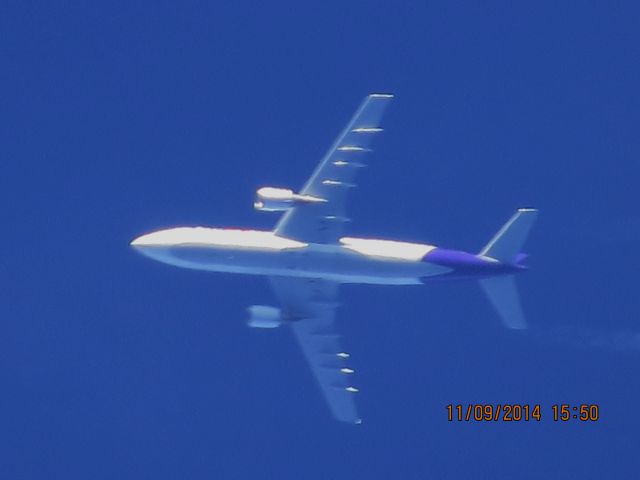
{"x": 506, "y": 244}
{"x": 502, "y": 291}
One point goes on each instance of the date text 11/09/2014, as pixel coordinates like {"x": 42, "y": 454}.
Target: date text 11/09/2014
{"x": 512, "y": 412}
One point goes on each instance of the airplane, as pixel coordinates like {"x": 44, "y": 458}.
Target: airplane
{"x": 307, "y": 257}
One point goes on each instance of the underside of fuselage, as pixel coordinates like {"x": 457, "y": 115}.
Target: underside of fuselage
{"x": 353, "y": 260}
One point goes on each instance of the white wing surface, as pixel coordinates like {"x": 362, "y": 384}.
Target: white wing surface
{"x": 309, "y": 306}
{"x": 323, "y": 222}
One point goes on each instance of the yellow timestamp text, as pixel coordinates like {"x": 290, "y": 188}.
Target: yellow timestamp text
{"x": 516, "y": 412}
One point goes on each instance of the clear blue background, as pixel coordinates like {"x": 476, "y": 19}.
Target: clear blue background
{"x": 119, "y": 118}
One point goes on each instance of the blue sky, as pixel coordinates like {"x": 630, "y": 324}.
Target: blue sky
{"x": 121, "y": 118}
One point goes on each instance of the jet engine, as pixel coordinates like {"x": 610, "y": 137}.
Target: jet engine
{"x": 270, "y": 199}
{"x": 262, "y": 316}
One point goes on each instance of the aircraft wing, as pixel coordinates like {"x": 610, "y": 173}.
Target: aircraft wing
{"x": 310, "y": 305}
{"x": 323, "y": 222}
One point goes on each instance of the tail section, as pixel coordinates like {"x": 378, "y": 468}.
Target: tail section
{"x": 506, "y": 244}
{"x": 502, "y": 292}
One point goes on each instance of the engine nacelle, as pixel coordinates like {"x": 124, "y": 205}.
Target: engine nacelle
{"x": 262, "y": 316}
{"x": 270, "y": 199}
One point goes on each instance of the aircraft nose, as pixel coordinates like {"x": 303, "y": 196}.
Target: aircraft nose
{"x": 161, "y": 238}
{"x": 151, "y": 245}
{"x": 141, "y": 241}
{"x": 153, "y": 239}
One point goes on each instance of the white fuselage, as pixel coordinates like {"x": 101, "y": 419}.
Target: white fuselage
{"x": 353, "y": 260}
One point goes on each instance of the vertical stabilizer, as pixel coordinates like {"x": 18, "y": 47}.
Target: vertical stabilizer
{"x": 506, "y": 244}
{"x": 503, "y": 294}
